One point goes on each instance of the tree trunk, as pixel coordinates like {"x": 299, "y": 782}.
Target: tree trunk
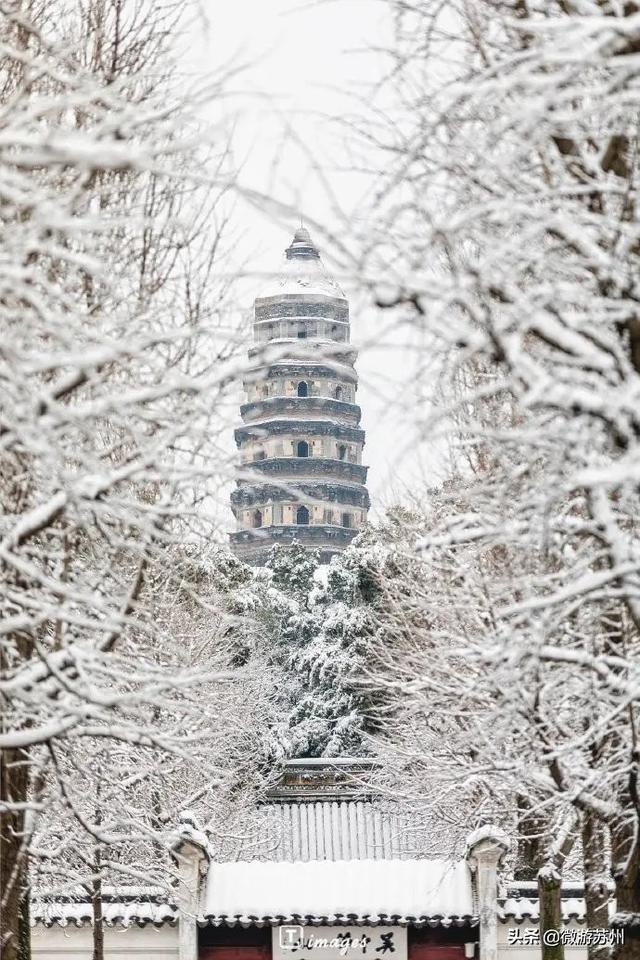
{"x": 25, "y": 927}
{"x": 550, "y": 899}
{"x": 596, "y": 892}
{"x": 627, "y": 916}
{"x": 15, "y": 934}
{"x": 531, "y": 828}
{"x": 96, "y": 899}
{"x": 98, "y": 924}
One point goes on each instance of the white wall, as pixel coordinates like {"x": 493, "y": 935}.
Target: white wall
{"x": 507, "y": 951}
{"x": 75, "y": 943}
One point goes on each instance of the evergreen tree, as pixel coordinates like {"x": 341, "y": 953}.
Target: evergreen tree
{"x": 293, "y": 568}
{"x": 317, "y": 627}
{"x": 315, "y": 630}
{"x": 347, "y": 623}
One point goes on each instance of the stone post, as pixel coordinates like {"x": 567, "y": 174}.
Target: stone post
{"x": 485, "y": 849}
{"x": 191, "y": 856}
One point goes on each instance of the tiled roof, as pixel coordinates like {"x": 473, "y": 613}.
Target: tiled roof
{"x": 416, "y": 892}
{"x": 338, "y": 830}
{"x": 328, "y": 810}
{"x": 119, "y": 908}
{"x": 525, "y": 909}
{"x": 521, "y": 903}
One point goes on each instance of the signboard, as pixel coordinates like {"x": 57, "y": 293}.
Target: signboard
{"x": 291, "y": 942}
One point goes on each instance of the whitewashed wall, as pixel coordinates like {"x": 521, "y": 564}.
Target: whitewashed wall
{"x": 75, "y": 943}
{"x": 507, "y": 951}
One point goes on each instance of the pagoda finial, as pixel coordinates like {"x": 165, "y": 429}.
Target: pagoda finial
{"x": 302, "y": 246}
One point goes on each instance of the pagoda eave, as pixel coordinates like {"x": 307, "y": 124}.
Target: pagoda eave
{"x": 316, "y": 428}
{"x": 299, "y": 369}
{"x": 289, "y": 349}
{"x": 253, "y": 545}
{"x": 276, "y": 405}
{"x": 328, "y": 492}
{"x": 296, "y": 467}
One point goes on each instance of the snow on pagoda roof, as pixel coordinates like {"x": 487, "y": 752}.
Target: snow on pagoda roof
{"x": 302, "y": 276}
{"x": 325, "y": 891}
{"x": 302, "y": 273}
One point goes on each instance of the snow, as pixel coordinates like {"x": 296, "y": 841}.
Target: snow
{"x": 337, "y": 830}
{"x": 331, "y": 761}
{"x": 525, "y": 908}
{"x": 302, "y": 277}
{"x": 117, "y": 910}
{"x": 488, "y": 832}
{"x": 190, "y": 831}
{"x": 521, "y": 902}
{"x": 331, "y": 889}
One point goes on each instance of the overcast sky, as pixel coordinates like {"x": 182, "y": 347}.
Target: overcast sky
{"x": 309, "y": 63}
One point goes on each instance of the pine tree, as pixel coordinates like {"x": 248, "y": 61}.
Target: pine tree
{"x": 293, "y": 568}
{"x": 317, "y": 628}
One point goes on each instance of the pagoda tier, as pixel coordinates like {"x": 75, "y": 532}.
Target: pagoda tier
{"x": 300, "y": 473}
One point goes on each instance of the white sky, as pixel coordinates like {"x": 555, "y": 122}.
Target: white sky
{"x": 309, "y": 63}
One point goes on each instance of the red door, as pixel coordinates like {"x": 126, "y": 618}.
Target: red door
{"x": 239, "y": 953}
{"x": 436, "y": 951}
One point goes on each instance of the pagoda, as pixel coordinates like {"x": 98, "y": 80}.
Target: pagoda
{"x": 300, "y": 473}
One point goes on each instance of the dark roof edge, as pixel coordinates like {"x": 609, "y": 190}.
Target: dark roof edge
{"x": 341, "y": 920}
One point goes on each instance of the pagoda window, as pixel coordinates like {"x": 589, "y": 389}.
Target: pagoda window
{"x": 338, "y": 392}
{"x": 259, "y": 455}
{"x": 303, "y": 389}
{"x": 303, "y": 449}
{"x": 302, "y": 334}
{"x": 257, "y": 518}
{"x": 302, "y": 516}
{"x": 328, "y": 516}
{"x": 342, "y": 452}
{"x": 346, "y": 519}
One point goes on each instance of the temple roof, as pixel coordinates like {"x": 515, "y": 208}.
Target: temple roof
{"x": 354, "y": 891}
{"x": 303, "y": 272}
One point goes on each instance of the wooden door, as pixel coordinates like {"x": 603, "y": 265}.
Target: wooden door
{"x": 436, "y": 951}
{"x": 239, "y": 952}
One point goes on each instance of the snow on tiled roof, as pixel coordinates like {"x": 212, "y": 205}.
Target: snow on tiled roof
{"x": 325, "y": 891}
{"x": 521, "y": 903}
{"x": 327, "y": 809}
{"x": 339, "y": 830}
{"x": 524, "y": 909}
{"x": 118, "y": 909}
{"x": 323, "y": 763}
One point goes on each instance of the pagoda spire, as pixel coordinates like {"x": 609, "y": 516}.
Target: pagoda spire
{"x": 302, "y": 246}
